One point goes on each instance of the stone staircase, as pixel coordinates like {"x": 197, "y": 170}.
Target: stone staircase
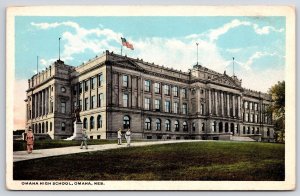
{"x": 242, "y": 139}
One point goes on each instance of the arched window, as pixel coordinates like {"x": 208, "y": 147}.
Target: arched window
{"x": 168, "y": 125}
{"x": 99, "y": 121}
{"x": 257, "y": 130}
{"x": 158, "y": 124}
{"x": 33, "y": 128}
{"x": 203, "y": 127}
{"x": 185, "y": 126}
{"x": 47, "y": 126}
{"x": 126, "y": 122}
{"x": 194, "y": 127}
{"x": 50, "y": 126}
{"x": 244, "y": 130}
{"x": 63, "y": 126}
{"x": 43, "y": 127}
{"x": 85, "y": 123}
{"x": 92, "y": 122}
{"x": 248, "y": 130}
{"x": 148, "y": 124}
{"x": 268, "y": 132}
{"x": 176, "y": 125}
{"x": 40, "y": 128}
{"x": 253, "y": 130}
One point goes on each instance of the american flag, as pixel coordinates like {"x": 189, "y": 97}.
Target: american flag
{"x": 126, "y": 43}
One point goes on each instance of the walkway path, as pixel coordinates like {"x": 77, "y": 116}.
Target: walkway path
{"x": 42, "y": 153}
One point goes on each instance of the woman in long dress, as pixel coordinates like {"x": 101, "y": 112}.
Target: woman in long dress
{"x": 127, "y": 136}
{"x": 30, "y": 141}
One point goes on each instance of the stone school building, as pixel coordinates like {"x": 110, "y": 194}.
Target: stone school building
{"x": 155, "y": 102}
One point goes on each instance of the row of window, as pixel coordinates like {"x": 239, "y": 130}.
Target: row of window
{"x": 90, "y": 123}
{"x": 251, "y": 105}
{"x": 157, "y": 87}
{"x": 253, "y": 118}
{"x": 89, "y": 83}
{"x": 90, "y": 102}
{"x": 41, "y": 127}
{"x": 147, "y": 125}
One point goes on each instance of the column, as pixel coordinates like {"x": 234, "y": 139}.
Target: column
{"x": 162, "y": 102}
{"x": 120, "y": 91}
{"x": 139, "y": 83}
{"x": 36, "y": 105}
{"x": 239, "y": 106}
{"x": 228, "y": 110}
{"x": 233, "y": 105}
{"x": 216, "y": 102}
{"x": 209, "y": 101}
{"x": 198, "y": 102}
{"x": 43, "y": 108}
{"x": 222, "y": 104}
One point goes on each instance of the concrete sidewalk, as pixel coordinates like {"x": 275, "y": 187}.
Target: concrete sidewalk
{"x": 42, "y": 153}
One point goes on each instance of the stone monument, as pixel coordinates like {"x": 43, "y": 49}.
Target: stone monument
{"x": 77, "y": 135}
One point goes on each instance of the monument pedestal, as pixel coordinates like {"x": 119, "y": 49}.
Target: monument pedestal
{"x": 77, "y": 135}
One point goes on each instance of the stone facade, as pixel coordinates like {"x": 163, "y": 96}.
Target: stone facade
{"x": 156, "y": 102}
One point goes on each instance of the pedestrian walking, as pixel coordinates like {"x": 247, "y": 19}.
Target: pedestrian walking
{"x": 128, "y": 137}
{"x": 119, "y": 137}
{"x": 84, "y": 139}
{"x": 29, "y": 140}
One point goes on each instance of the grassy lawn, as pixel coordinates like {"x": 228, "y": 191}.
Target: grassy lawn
{"x": 182, "y": 161}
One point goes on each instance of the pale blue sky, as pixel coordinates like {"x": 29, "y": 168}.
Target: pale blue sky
{"x": 257, "y": 43}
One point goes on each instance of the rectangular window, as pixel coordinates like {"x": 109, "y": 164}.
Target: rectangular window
{"x": 147, "y": 85}
{"x": 93, "y": 102}
{"x": 100, "y": 99}
{"x": 184, "y": 108}
{"x": 202, "y": 109}
{"x": 157, "y": 104}
{"x": 100, "y": 80}
{"x": 250, "y": 105}
{"x": 167, "y": 106}
{"x": 175, "y": 91}
{"x": 80, "y": 104}
{"x": 86, "y": 85}
{"x": 86, "y": 103}
{"x": 251, "y": 118}
{"x": 157, "y": 88}
{"x": 184, "y": 93}
{"x": 255, "y": 106}
{"x": 74, "y": 89}
{"x": 147, "y": 103}
{"x": 80, "y": 87}
{"x": 93, "y": 82}
{"x": 51, "y": 107}
{"x": 125, "y": 100}
{"x": 175, "y": 107}
{"x": 125, "y": 81}
{"x": 256, "y": 118}
{"x": 167, "y": 90}
{"x": 63, "y": 107}
{"x": 246, "y": 117}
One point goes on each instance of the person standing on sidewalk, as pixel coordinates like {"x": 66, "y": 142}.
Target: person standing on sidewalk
{"x": 119, "y": 137}
{"x": 84, "y": 139}
{"x": 30, "y": 141}
{"x": 128, "y": 137}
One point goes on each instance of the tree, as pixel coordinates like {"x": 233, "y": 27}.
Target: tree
{"x": 278, "y": 109}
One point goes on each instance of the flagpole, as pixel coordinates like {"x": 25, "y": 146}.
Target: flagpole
{"x": 37, "y": 64}
{"x": 197, "y": 52}
{"x": 121, "y": 48}
{"x": 59, "y": 48}
{"x": 233, "y": 65}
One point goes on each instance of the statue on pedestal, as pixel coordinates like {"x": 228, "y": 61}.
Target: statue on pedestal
{"x": 77, "y": 116}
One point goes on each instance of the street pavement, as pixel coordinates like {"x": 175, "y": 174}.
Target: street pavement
{"x": 42, "y": 153}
